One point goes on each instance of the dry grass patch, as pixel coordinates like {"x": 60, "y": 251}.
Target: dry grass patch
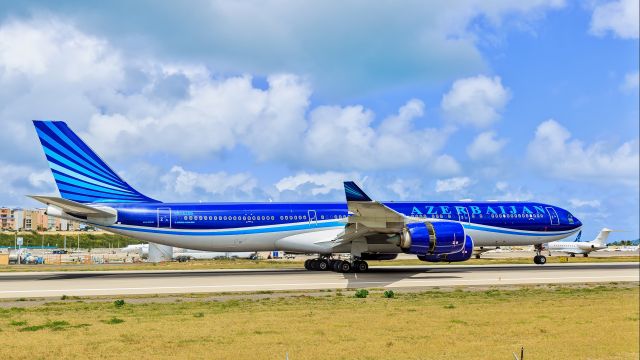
{"x": 232, "y": 264}
{"x": 434, "y": 324}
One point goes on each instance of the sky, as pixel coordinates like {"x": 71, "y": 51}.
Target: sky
{"x": 276, "y": 100}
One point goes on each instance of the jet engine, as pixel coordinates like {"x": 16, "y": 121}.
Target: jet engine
{"x": 436, "y": 241}
{"x": 432, "y": 237}
{"x": 463, "y": 255}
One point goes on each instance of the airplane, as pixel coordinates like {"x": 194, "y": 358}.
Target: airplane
{"x": 364, "y": 229}
{"x": 581, "y": 247}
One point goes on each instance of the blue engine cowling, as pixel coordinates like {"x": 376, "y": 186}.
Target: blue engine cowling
{"x": 462, "y": 255}
{"x": 436, "y": 241}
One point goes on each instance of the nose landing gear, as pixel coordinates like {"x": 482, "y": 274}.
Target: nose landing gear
{"x": 539, "y": 258}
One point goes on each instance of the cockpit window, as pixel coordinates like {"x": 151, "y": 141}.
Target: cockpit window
{"x": 570, "y": 218}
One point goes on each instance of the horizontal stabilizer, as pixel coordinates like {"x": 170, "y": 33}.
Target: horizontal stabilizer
{"x": 75, "y": 208}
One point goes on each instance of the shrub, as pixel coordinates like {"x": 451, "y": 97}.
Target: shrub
{"x": 113, "y": 320}
{"x": 362, "y": 293}
{"x": 118, "y": 303}
{"x": 449, "y": 306}
{"x": 389, "y": 294}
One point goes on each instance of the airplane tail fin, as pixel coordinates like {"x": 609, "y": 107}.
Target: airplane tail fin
{"x": 80, "y": 174}
{"x": 578, "y": 237}
{"x": 601, "y": 239}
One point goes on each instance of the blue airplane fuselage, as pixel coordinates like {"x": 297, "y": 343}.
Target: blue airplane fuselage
{"x": 261, "y": 226}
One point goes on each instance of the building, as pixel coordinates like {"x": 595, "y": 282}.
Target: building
{"x": 7, "y": 221}
{"x": 34, "y": 220}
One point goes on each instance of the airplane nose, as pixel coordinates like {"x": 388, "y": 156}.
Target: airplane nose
{"x": 577, "y": 222}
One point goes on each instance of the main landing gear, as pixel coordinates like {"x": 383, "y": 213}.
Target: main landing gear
{"x": 539, "y": 258}
{"x": 343, "y": 266}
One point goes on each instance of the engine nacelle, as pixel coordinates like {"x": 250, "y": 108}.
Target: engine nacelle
{"x": 462, "y": 255}
{"x": 441, "y": 237}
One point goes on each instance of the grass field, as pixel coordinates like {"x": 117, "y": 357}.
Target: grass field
{"x": 283, "y": 264}
{"x": 557, "y": 322}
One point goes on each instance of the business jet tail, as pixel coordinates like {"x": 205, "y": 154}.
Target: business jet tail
{"x": 601, "y": 239}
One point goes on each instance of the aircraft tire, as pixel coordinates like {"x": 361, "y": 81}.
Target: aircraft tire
{"x": 542, "y": 260}
{"x": 344, "y": 267}
{"x": 573, "y": 255}
{"x": 360, "y": 266}
{"x": 307, "y": 264}
{"x": 323, "y": 265}
{"x": 536, "y": 259}
{"x": 585, "y": 255}
{"x": 335, "y": 265}
{"x": 313, "y": 264}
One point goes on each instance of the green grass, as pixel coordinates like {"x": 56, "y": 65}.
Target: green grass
{"x": 88, "y": 240}
{"x": 456, "y": 324}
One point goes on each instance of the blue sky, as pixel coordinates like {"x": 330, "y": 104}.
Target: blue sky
{"x": 283, "y": 100}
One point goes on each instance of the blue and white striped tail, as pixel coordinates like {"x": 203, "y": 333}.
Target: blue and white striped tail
{"x": 80, "y": 174}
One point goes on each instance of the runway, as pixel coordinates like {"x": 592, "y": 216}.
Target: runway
{"x": 90, "y": 283}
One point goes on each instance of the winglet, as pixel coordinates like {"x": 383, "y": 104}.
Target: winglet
{"x": 354, "y": 193}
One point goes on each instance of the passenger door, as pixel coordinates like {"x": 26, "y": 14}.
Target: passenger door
{"x": 553, "y": 216}
{"x": 313, "y": 218}
{"x": 463, "y": 215}
{"x": 164, "y": 218}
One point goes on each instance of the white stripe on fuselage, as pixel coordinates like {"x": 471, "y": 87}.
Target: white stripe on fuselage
{"x": 482, "y": 235}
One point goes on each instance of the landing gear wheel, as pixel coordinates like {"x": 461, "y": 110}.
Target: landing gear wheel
{"x": 585, "y": 255}
{"x": 344, "y": 267}
{"x": 307, "y": 264}
{"x": 477, "y": 256}
{"x": 334, "y": 265}
{"x": 313, "y": 264}
{"x": 323, "y": 265}
{"x": 573, "y": 255}
{"x": 540, "y": 259}
{"x": 360, "y": 266}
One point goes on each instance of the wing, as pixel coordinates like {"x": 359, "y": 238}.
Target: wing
{"x": 368, "y": 218}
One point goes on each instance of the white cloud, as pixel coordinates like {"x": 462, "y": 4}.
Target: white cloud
{"x": 453, "y": 184}
{"x": 414, "y": 40}
{"x": 631, "y": 81}
{"x": 554, "y": 153}
{"x": 405, "y": 189}
{"x": 584, "y": 203}
{"x": 485, "y": 146}
{"x": 505, "y": 192}
{"x": 184, "y": 182}
{"x": 620, "y": 17}
{"x": 21, "y": 180}
{"x": 124, "y": 106}
{"x": 316, "y": 183}
{"x": 476, "y": 101}
{"x": 342, "y": 137}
